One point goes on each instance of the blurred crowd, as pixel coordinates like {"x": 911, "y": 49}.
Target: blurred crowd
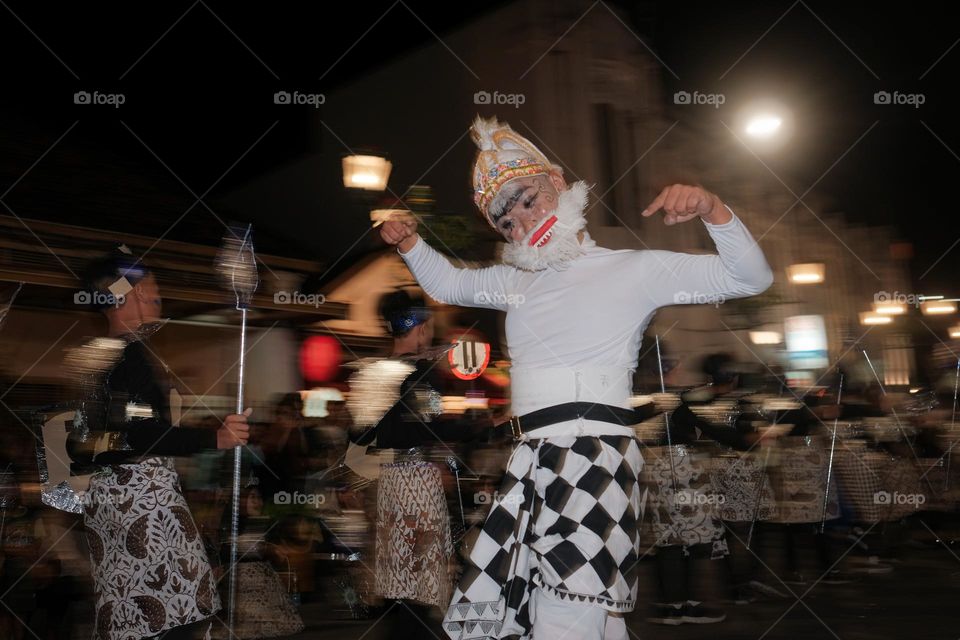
{"x": 783, "y": 488}
{"x": 367, "y": 505}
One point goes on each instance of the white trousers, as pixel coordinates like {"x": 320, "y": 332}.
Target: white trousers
{"x": 555, "y": 619}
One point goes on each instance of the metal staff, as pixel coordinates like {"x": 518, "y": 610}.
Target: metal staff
{"x": 761, "y": 476}
{"x": 454, "y": 466}
{"x": 237, "y": 267}
{"x": 5, "y": 308}
{"x": 833, "y": 446}
{"x": 666, "y": 419}
{"x": 899, "y": 426}
{"x": 953, "y": 420}
{"x": 3, "y": 316}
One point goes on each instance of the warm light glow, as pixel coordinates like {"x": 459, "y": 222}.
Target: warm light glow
{"x": 889, "y": 308}
{"x": 366, "y": 172}
{"x": 869, "y": 317}
{"x": 315, "y": 401}
{"x": 955, "y": 331}
{"x": 763, "y": 126}
{"x": 763, "y": 123}
{"x": 460, "y": 404}
{"x": 935, "y": 307}
{"x": 765, "y": 337}
{"x": 808, "y": 273}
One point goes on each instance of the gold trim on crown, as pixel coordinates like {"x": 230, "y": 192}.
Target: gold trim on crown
{"x": 503, "y": 155}
{"x": 500, "y": 174}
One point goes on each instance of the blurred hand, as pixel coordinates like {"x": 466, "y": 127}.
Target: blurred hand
{"x": 235, "y": 431}
{"x": 681, "y": 202}
{"x": 400, "y": 233}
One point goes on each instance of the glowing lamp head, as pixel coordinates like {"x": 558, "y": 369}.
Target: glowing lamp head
{"x": 763, "y": 126}
{"x": 873, "y": 318}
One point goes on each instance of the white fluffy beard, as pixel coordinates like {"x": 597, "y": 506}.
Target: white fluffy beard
{"x": 563, "y": 245}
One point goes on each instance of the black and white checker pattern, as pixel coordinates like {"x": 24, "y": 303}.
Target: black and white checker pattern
{"x": 565, "y": 520}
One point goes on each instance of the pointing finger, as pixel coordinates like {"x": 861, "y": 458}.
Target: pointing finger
{"x": 656, "y": 205}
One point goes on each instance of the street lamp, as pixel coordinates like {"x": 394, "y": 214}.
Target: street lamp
{"x": 766, "y": 125}
{"x": 938, "y": 307}
{"x": 763, "y": 125}
{"x": 807, "y": 273}
{"x": 871, "y": 318}
{"x": 367, "y": 172}
{"x": 889, "y": 308}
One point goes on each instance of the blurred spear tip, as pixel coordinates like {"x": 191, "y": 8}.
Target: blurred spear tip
{"x": 237, "y": 264}
{"x": 6, "y": 304}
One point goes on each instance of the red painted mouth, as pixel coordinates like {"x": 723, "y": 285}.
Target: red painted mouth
{"x": 543, "y": 234}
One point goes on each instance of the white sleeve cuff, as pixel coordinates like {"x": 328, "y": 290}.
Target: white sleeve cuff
{"x": 726, "y": 225}
{"x": 413, "y": 249}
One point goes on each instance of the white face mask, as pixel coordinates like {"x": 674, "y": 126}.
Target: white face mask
{"x": 556, "y": 243}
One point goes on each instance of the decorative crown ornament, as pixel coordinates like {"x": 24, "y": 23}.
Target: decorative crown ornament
{"x": 503, "y": 154}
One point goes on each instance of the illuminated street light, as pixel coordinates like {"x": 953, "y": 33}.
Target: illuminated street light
{"x": 763, "y": 126}
{"x": 765, "y": 337}
{"x": 366, "y": 172}
{"x": 870, "y": 318}
{"x": 938, "y": 307}
{"x": 808, "y": 273}
{"x": 889, "y": 308}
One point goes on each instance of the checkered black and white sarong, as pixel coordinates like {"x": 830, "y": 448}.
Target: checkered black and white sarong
{"x": 565, "y": 521}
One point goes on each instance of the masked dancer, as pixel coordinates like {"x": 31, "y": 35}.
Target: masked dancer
{"x": 558, "y": 550}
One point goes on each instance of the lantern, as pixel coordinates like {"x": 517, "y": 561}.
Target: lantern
{"x": 319, "y": 358}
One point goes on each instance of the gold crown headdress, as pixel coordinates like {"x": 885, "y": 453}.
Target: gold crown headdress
{"x": 502, "y": 156}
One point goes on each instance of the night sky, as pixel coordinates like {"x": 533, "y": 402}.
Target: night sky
{"x": 195, "y": 77}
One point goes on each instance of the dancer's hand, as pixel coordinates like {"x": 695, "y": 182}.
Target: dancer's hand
{"x": 681, "y": 202}
{"x": 235, "y": 431}
{"x": 400, "y": 233}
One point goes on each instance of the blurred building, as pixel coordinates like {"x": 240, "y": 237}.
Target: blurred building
{"x": 576, "y": 80}
{"x": 200, "y": 343}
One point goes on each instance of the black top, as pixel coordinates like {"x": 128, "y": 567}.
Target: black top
{"x": 805, "y": 422}
{"x": 402, "y": 427}
{"x": 136, "y": 378}
{"x": 684, "y": 424}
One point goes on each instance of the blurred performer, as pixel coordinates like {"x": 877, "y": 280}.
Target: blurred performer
{"x": 413, "y": 540}
{"x": 685, "y": 526}
{"x": 287, "y": 449}
{"x": 559, "y": 544}
{"x": 799, "y": 480}
{"x": 151, "y": 574}
{"x": 685, "y": 510}
{"x": 739, "y": 474}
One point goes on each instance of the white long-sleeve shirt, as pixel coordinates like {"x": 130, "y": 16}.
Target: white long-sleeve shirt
{"x": 574, "y": 334}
